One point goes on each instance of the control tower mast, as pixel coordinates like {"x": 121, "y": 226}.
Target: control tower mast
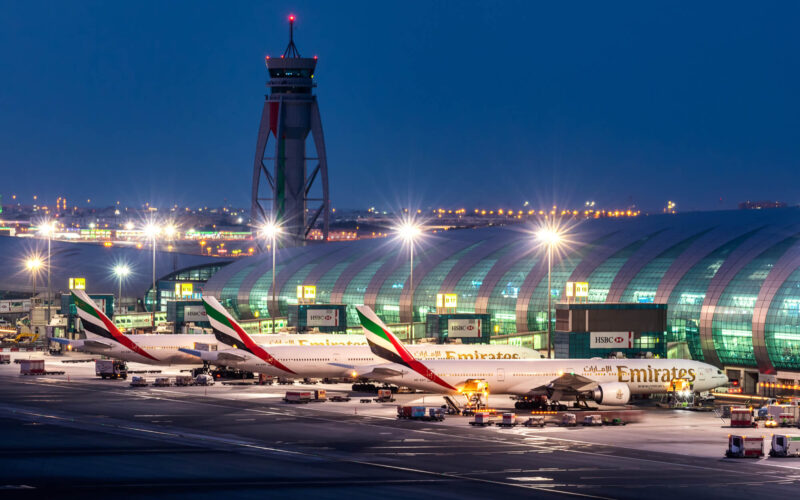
{"x": 285, "y": 186}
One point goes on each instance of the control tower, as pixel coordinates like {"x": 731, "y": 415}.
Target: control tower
{"x": 290, "y": 172}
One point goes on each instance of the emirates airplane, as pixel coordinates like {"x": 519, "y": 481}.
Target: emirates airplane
{"x": 606, "y": 381}
{"x": 103, "y": 337}
{"x": 323, "y": 360}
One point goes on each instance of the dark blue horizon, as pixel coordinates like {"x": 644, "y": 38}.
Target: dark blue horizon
{"x": 442, "y": 103}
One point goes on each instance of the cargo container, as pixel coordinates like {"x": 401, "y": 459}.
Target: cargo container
{"x": 320, "y": 395}
{"x": 481, "y": 419}
{"x": 745, "y": 447}
{"x": 138, "y": 382}
{"x": 569, "y": 420}
{"x": 742, "y": 417}
{"x": 592, "y": 420}
{"x": 204, "y": 379}
{"x": 535, "y": 421}
{"x": 184, "y": 380}
{"x": 5, "y": 359}
{"x": 297, "y": 397}
{"x": 162, "y": 382}
{"x": 508, "y": 420}
{"x": 31, "y": 367}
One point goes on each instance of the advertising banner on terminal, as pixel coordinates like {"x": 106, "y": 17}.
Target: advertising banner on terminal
{"x": 611, "y": 340}
{"x": 460, "y": 328}
{"x": 322, "y": 317}
{"x": 194, "y": 314}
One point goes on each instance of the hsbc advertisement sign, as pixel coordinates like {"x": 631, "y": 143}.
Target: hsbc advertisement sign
{"x": 322, "y": 317}
{"x": 459, "y": 328}
{"x": 194, "y": 314}
{"x": 611, "y": 340}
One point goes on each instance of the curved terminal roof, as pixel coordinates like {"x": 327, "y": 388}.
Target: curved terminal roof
{"x": 731, "y": 279}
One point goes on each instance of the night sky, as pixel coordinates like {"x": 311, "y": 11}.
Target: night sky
{"x": 462, "y": 104}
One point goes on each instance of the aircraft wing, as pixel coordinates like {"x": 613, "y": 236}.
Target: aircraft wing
{"x": 376, "y": 372}
{"x": 566, "y": 385}
{"x": 230, "y": 355}
{"x": 97, "y": 344}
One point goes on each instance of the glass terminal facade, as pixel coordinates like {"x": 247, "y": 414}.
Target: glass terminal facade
{"x": 730, "y": 279}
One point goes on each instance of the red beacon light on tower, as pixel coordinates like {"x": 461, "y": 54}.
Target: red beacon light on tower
{"x": 291, "y": 18}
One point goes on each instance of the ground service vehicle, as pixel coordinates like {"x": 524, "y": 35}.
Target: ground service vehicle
{"x": 592, "y": 420}
{"x": 184, "y": 380}
{"x": 297, "y": 397}
{"x": 745, "y": 447}
{"x": 785, "y": 446}
{"x": 138, "y": 382}
{"x": 742, "y": 417}
{"x": 161, "y": 382}
{"x": 5, "y": 359}
{"x": 384, "y": 396}
{"x": 320, "y": 395}
{"x": 111, "y": 368}
{"x": 204, "y": 379}
{"x": 569, "y": 420}
{"x": 535, "y": 421}
{"x": 31, "y": 367}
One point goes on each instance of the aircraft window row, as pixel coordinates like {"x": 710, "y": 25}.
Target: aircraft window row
{"x": 308, "y": 359}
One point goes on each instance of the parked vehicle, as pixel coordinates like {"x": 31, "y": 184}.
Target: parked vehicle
{"x": 569, "y": 420}
{"x": 508, "y": 420}
{"x": 5, "y": 359}
{"x": 745, "y": 447}
{"x": 384, "y": 396}
{"x": 481, "y": 419}
{"x": 742, "y": 417}
{"x": 204, "y": 379}
{"x": 162, "y": 382}
{"x": 592, "y": 420}
{"x": 785, "y": 446}
{"x": 535, "y": 421}
{"x": 297, "y": 397}
{"x": 184, "y": 380}
{"x": 138, "y": 382}
{"x": 111, "y": 368}
{"x": 31, "y": 367}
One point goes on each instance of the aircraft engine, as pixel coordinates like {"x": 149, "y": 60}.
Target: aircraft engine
{"x": 614, "y": 393}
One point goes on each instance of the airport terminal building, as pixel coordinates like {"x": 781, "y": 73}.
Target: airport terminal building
{"x": 730, "y": 280}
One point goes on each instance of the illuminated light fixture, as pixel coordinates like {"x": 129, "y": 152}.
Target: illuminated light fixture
{"x": 170, "y": 230}
{"x": 151, "y": 230}
{"x": 33, "y": 263}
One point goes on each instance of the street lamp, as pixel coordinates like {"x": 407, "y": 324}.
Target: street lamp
{"x": 47, "y": 229}
{"x": 33, "y": 264}
{"x": 121, "y": 271}
{"x": 551, "y": 238}
{"x": 151, "y": 230}
{"x": 271, "y": 230}
{"x": 408, "y": 231}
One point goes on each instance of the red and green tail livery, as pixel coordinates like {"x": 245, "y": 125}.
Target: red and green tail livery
{"x": 386, "y": 345}
{"x": 96, "y": 323}
{"x": 230, "y": 332}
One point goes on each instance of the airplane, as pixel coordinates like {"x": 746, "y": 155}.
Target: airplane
{"x": 606, "y": 381}
{"x": 322, "y": 361}
{"x": 103, "y": 337}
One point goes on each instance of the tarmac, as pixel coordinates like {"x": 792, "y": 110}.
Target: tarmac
{"x": 74, "y": 435}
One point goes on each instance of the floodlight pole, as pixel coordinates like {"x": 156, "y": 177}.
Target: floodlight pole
{"x": 411, "y": 291}
{"x": 274, "y": 307}
{"x": 49, "y": 288}
{"x": 549, "y": 297}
